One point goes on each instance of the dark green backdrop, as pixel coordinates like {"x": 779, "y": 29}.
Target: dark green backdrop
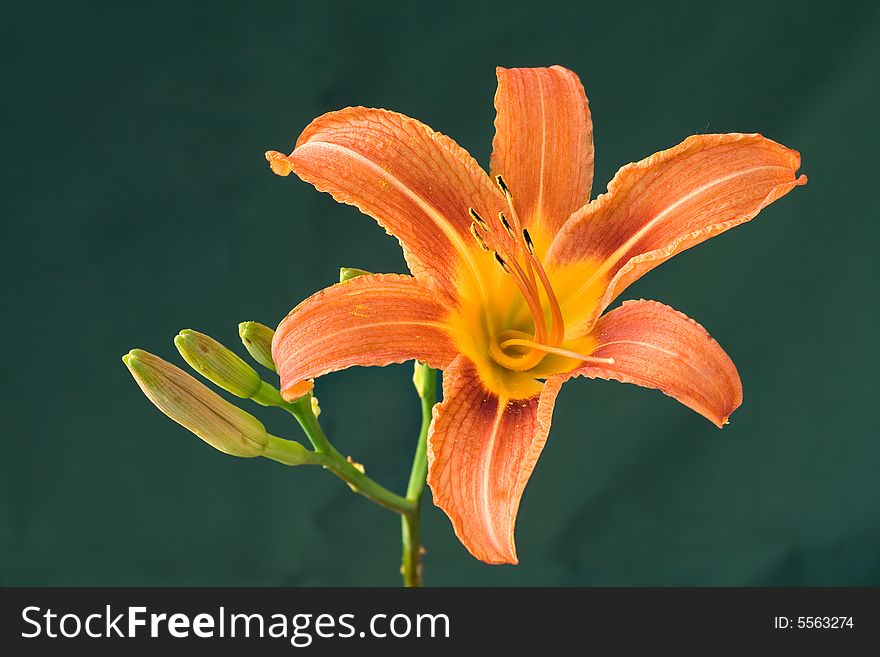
{"x": 136, "y": 202}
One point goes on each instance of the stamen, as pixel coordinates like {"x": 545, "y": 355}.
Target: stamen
{"x": 478, "y": 237}
{"x": 530, "y": 246}
{"x": 523, "y": 274}
{"x": 506, "y": 225}
{"x": 478, "y": 219}
{"x": 557, "y": 330}
{"x": 517, "y": 225}
{"x": 518, "y": 342}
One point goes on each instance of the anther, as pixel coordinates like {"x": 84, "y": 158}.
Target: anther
{"x": 478, "y": 219}
{"x": 528, "y": 239}
{"x": 478, "y": 237}
{"x": 501, "y": 262}
{"x": 499, "y": 180}
{"x": 506, "y": 224}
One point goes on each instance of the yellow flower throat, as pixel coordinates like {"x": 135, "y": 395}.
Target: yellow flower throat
{"x": 511, "y": 345}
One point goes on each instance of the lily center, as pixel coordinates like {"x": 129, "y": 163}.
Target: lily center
{"x": 521, "y": 348}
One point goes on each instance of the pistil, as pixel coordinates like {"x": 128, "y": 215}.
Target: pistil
{"x": 523, "y": 342}
{"x": 499, "y": 180}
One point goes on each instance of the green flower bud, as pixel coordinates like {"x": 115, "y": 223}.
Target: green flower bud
{"x": 257, "y": 339}
{"x": 194, "y": 406}
{"x": 217, "y": 364}
{"x": 347, "y": 273}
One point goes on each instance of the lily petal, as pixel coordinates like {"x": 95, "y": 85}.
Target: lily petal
{"x": 417, "y": 183}
{"x": 482, "y": 449}
{"x": 667, "y": 203}
{"x": 374, "y": 319}
{"x": 543, "y": 145}
{"x": 655, "y": 346}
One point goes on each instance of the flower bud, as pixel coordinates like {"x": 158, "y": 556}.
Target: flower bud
{"x": 347, "y": 273}
{"x": 257, "y": 339}
{"x": 217, "y": 364}
{"x": 192, "y": 405}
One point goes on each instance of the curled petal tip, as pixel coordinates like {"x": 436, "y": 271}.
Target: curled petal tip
{"x": 297, "y": 390}
{"x": 279, "y": 163}
{"x": 657, "y": 347}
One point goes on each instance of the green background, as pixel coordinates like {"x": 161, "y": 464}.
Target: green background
{"x": 136, "y": 202}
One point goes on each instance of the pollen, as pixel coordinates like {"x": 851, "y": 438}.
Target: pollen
{"x": 478, "y": 237}
{"x": 528, "y": 241}
{"x": 506, "y": 225}
{"x": 478, "y": 219}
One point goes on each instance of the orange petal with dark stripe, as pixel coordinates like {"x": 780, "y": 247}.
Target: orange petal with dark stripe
{"x": 374, "y": 319}
{"x": 543, "y": 145}
{"x": 655, "y": 346}
{"x": 670, "y": 202}
{"x": 417, "y": 183}
{"x": 482, "y": 449}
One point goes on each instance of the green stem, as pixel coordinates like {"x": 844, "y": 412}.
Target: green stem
{"x": 411, "y": 567}
{"x": 291, "y": 453}
{"x": 330, "y": 458}
{"x": 301, "y": 409}
{"x": 325, "y": 455}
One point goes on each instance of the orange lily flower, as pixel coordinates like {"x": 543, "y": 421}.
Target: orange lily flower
{"x": 511, "y": 274}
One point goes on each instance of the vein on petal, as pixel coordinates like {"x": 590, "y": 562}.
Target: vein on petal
{"x": 626, "y": 246}
{"x": 439, "y": 220}
{"x": 486, "y": 478}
